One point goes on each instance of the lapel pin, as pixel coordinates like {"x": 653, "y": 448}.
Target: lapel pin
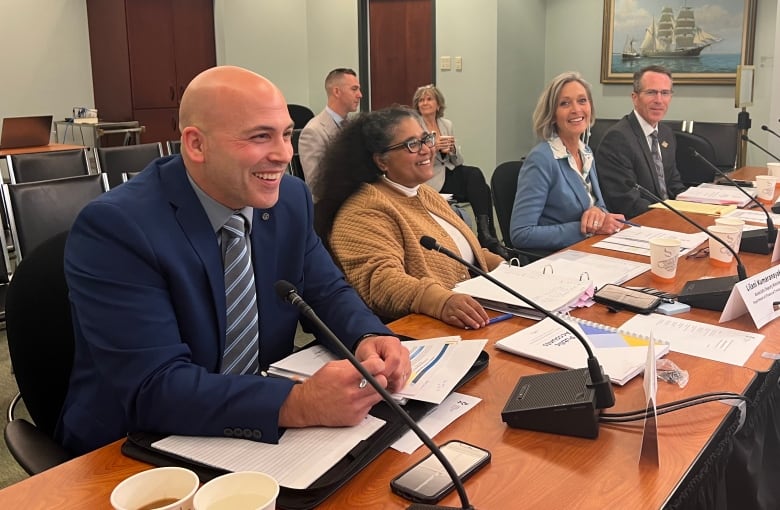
{"x": 665, "y": 144}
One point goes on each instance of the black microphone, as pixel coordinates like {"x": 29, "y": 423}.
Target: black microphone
{"x": 288, "y": 292}
{"x": 540, "y": 390}
{"x": 753, "y": 241}
{"x": 765, "y": 128}
{"x": 707, "y": 293}
{"x": 745, "y": 137}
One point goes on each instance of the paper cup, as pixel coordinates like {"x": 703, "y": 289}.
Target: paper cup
{"x": 719, "y": 254}
{"x": 165, "y": 488}
{"x": 773, "y": 169}
{"x": 732, "y": 222}
{"x": 766, "y": 187}
{"x": 242, "y": 490}
{"x": 663, "y": 258}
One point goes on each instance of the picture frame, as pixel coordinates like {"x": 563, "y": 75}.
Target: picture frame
{"x": 700, "y": 55}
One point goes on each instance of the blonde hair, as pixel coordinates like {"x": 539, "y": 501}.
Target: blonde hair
{"x": 544, "y": 114}
{"x": 437, "y": 95}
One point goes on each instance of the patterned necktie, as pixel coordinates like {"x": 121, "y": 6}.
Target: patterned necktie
{"x": 655, "y": 151}
{"x": 241, "y": 336}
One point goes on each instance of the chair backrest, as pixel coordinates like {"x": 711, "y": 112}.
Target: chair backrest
{"x": 126, "y": 176}
{"x": 300, "y": 115}
{"x": 295, "y": 163}
{"x": 126, "y": 158}
{"x": 503, "y": 186}
{"x": 39, "y": 210}
{"x": 40, "y": 332}
{"x": 724, "y": 137}
{"x": 43, "y": 166}
{"x": 597, "y": 131}
{"x": 692, "y": 170}
{"x": 173, "y": 146}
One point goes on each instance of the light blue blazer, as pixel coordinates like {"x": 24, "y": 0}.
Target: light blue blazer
{"x": 550, "y": 201}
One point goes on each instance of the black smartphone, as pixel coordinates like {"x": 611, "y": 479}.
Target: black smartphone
{"x": 622, "y": 298}
{"x": 428, "y": 481}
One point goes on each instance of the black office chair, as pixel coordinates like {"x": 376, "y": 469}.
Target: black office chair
{"x": 295, "y": 167}
{"x": 692, "y": 170}
{"x": 503, "y": 185}
{"x": 43, "y": 166}
{"x": 41, "y": 346}
{"x": 126, "y": 158}
{"x": 38, "y": 210}
{"x": 5, "y": 274}
{"x": 724, "y": 137}
{"x": 300, "y": 115}
{"x": 173, "y": 146}
{"x": 597, "y": 131}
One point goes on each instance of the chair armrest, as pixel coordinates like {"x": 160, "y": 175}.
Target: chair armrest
{"x": 33, "y": 449}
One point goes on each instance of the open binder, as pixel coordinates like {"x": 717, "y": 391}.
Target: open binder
{"x": 139, "y": 446}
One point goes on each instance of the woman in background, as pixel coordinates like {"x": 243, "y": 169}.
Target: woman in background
{"x": 450, "y": 175}
{"x": 558, "y": 200}
{"x": 375, "y": 207}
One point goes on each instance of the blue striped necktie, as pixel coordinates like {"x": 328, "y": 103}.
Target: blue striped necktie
{"x": 655, "y": 151}
{"x": 241, "y": 336}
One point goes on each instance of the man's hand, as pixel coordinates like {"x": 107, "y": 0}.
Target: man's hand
{"x": 397, "y": 366}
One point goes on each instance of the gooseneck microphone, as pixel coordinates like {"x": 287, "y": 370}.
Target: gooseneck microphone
{"x": 748, "y": 140}
{"x": 766, "y": 128}
{"x": 288, "y": 292}
{"x": 753, "y": 241}
{"x": 578, "y": 381}
{"x": 707, "y": 293}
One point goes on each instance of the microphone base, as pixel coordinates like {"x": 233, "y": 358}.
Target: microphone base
{"x": 708, "y": 293}
{"x": 557, "y": 402}
{"x": 756, "y": 241}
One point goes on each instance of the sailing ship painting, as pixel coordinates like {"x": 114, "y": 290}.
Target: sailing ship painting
{"x": 699, "y": 41}
{"x": 675, "y": 37}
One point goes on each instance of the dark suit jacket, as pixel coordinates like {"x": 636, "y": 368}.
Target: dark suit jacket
{"x": 623, "y": 159}
{"x": 146, "y": 282}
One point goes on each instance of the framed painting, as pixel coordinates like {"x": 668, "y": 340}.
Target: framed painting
{"x": 699, "y": 41}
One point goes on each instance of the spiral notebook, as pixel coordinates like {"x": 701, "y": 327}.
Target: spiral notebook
{"x": 622, "y": 355}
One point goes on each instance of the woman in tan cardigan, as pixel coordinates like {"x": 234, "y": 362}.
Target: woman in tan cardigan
{"x": 373, "y": 210}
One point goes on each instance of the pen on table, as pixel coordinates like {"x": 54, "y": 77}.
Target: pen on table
{"x": 497, "y": 318}
{"x": 297, "y": 379}
{"x": 631, "y": 223}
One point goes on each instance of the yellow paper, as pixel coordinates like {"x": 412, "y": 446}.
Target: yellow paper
{"x": 694, "y": 207}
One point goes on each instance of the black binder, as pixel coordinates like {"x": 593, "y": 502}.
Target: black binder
{"x": 139, "y": 446}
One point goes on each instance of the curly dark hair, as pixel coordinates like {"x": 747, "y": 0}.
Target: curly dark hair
{"x": 349, "y": 160}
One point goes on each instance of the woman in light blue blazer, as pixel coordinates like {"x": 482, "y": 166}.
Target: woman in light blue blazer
{"x": 558, "y": 201}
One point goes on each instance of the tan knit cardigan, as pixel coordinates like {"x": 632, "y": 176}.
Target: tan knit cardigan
{"x": 376, "y": 240}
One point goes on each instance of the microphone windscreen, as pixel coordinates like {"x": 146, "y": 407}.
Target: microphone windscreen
{"x": 283, "y": 289}
{"x": 764, "y": 127}
{"x": 428, "y": 242}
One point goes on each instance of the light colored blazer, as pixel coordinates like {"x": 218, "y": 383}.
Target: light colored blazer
{"x": 443, "y": 162}
{"x": 549, "y": 202}
{"x": 314, "y": 138}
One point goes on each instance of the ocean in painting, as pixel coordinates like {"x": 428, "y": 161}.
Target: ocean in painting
{"x": 704, "y": 63}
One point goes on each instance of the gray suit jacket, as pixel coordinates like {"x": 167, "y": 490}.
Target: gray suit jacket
{"x": 623, "y": 159}
{"x": 443, "y": 161}
{"x": 314, "y": 138}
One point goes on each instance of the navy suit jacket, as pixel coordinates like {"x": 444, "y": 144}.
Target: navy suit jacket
{"x": 623, "y": 159}
{"x": 144, "y": 270}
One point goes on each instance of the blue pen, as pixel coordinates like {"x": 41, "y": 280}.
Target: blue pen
{"x": 626, "y": 222}
{"x": 500, "y": 318}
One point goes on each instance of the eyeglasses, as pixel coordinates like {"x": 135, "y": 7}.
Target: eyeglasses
{"x": 699, "y": 254}
{"x": 415, "y": 144}
{"x": 666, "y": 93}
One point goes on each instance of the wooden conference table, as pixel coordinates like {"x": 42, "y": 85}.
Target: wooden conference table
{"x": 52, "y": 147}
{"x": 528, "y": 469}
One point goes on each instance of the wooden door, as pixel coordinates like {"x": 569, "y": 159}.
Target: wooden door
{"x": 401, "y": 49}
{"x": 193, "y": 40}
{"x": 152, "y": 59}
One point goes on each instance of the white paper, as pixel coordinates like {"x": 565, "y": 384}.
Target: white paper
{"x": 753, "y": 216}
{"x": 696, "y": 338}
{"x": 600, "y": 269}
{"x": 302, "y": 455}
{"x": 637, "y": 240}
{"x": 715, "y": 194}
{"x": 453, "y": 407}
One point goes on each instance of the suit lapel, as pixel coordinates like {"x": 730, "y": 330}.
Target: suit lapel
{"x": 648, "y": 158}
{"x": 196, "y": 227}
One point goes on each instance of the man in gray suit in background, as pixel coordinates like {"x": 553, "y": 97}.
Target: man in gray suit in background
{"x": 343, "y": 89}
{"x": 639, "y": 149}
